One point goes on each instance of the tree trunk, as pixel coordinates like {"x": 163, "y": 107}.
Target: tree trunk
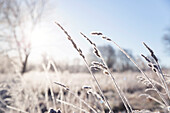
{"x": 24, "y": 64}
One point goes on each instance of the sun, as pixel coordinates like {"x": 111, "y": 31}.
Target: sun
{"x": 44, "y": 40}
{"x": 38, "y": 38}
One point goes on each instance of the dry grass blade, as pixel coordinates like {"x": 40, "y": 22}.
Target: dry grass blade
{"x": 152, "y": 53}
{"x": 146, "y": 58}
{"x": 153, "y": 64}
{"x": 152, "y": 98}
{"x": 46, "y": 69}
{"x": 16, "y": 109}
{"x": 106, "y": 71}
{"x": 86, "y": 87}
{"x": 54, "y": 111}
{"x": 95, "y": 67}
{"x": 85, "y": 61}
{"x": 143, "y": 111}
{"x": 96, "y": 51}
{"x": 51, "y": 62}
{"x": 151, "y": 89}
{"x": 158, "y": 68}
{"x": 67, "y": 103}
{"x": 163, "y": 99}
{"x": 88, "y": 39}
{"x": 106, "y": 38}
{"x": 71, "y": 40}
{"x": 96, "y": 33}
{"x": 95, "y": 95}
{"x": 99, "y": 65}
{"x": 66, "y": 88}
{"x": 143, "y": 80}
{"x": 11, "y": 107}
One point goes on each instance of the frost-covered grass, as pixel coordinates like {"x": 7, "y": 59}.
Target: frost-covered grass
{"x": 31, "y": 92}
{"x": 132, "y": 92}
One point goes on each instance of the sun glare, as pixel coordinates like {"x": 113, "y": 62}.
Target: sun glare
{"x": 45, "y": 41}
{"x": 38, "y": 38}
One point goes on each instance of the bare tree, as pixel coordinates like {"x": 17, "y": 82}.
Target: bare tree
{"x": 123, "y": 63}
{"x": 166, "y": 39}
{"x": 115, "y": 59}
{"x": 108, "y": 53}
{"x": 18, "y": 19}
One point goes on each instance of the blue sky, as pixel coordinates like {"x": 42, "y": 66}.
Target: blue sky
{"x": 129, "y": 23}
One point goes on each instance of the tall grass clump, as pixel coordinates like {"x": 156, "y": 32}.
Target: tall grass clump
{"x": 159, "y": 87}
{"x": 85, "y": 61}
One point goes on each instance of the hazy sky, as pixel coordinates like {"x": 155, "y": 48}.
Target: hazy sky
{"x": 129, "y": 23}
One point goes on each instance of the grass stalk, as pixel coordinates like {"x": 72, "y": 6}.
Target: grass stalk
{"x": 46, "y": 69}
{"x": 163, "y": 99}
{"x": 67, "y": 103}
{"x": 80, "y": 53}
{"x": 66, "y": 88}
{"x": 122, "y": 96}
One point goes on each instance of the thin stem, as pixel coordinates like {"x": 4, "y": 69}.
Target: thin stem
{"x": 163, "y": 80}
{"x": 141, "y": 72}
{"x": 123, "y": 98}
{"x": 83, "y": 101}
{"x": 80, "y": 53}
{"x": 59, "y": 79}
{"x": 154, "y": 99}
{"x": 98, "y": 85}
{"x": 76, "y": 96}
{"x": 12, "y": 108}
{"x": 72, "y": 106}
{"x": 46, "y": 69}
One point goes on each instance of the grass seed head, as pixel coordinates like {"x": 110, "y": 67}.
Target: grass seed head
{"x": 65, "y": 87}
{"x": 99, "y": 65}
{"x": 151, "y": 52}
{"x": 96, "y": 33}
{"x": 86, "y": 87}
{"x": 146, "y": 58}
{"x": 53, "y": 111}
{"x": 150, "y": 65}
{"x": 106, "y": 38}
{"x": 96, "y": 52}
{"x": 88, "y": 39}
{"x": 105, "y": 72}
